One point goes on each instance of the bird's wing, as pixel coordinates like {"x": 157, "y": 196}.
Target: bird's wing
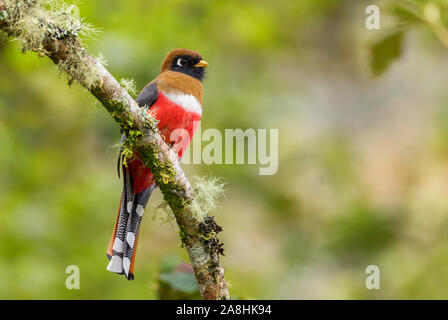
{"x": 148, "y": 95}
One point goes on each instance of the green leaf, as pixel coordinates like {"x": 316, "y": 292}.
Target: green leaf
{"x": 169, "y": 262}
{"x": 385, "y": 52}
{"x": 181, "y": 281}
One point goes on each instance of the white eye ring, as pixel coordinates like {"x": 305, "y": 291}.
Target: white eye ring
{"x": 179, "y": 62}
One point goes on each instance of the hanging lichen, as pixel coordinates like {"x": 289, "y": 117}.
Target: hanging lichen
{"x": 206, "y": 193}
{"x": 37, "y": 25}
{"x": 129, "y": 85}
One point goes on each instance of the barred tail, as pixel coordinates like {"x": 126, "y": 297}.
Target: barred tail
{"x": 123, "y": 244}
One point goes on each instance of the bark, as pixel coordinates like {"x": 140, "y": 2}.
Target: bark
{"x": 64, "y": 48}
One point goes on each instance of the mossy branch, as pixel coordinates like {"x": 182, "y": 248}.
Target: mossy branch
{"x": 51, "y": 29}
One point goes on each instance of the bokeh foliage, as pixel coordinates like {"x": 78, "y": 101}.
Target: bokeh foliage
{"x": 363, "y": 160}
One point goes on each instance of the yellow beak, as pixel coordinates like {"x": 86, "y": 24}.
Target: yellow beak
{"x": 201, "y": 64}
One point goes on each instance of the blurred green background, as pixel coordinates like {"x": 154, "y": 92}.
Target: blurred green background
{"x": 363, "y": 160}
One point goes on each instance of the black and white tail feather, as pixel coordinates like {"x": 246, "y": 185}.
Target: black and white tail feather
{"x": 121, "y": 251}
{"x": 132, "y": 207}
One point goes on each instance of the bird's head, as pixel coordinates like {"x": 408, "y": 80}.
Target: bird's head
{"x": 185, "y": 61}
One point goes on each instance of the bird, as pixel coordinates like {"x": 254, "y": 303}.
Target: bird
{"x": 174, "y": 98}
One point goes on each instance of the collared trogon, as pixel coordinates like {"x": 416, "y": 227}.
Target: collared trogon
{"x": 175, "y": 100}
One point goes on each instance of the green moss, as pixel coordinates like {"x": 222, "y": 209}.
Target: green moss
{"x": 132, "y": 136}
{"x": 182, "y": 234}
{"x": 164, "y": 171}
{"x": 118, "y": 110}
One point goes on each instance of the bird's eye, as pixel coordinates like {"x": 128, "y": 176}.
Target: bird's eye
{"x": 182, "y": 62}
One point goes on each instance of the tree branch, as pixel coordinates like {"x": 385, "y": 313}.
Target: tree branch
{"x": 40, "y": 30}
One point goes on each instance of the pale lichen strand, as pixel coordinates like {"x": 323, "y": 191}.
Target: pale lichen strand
{"x": 79, "y": 67}
{"x": 39, "y": 25}
{"x": 206, "y": 192}
{"x": 129, "y": 85}
{"x": 3, "y": 15}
